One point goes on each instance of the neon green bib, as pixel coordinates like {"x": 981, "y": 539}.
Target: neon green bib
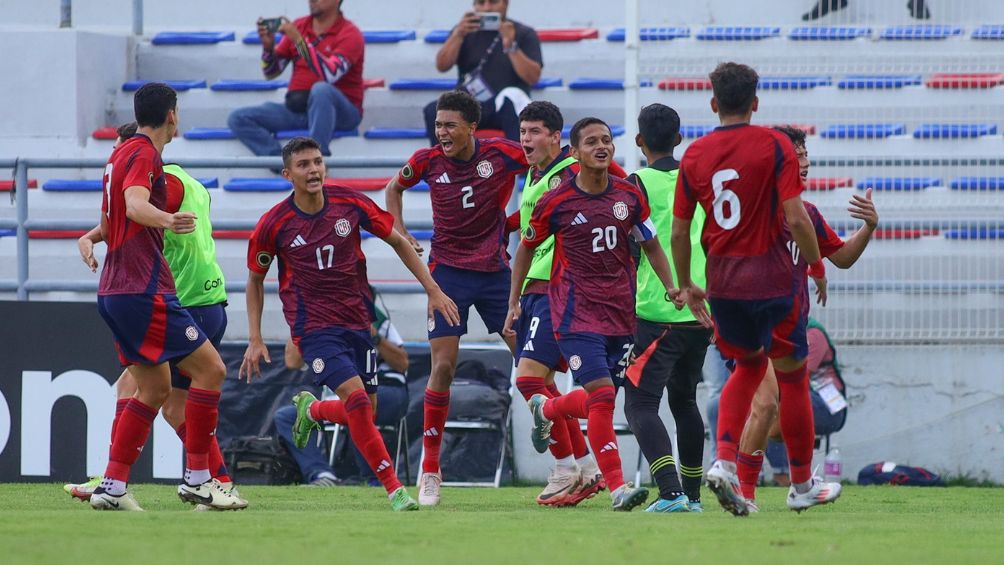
{"x": 540, "y": 265}
{"x": 192, "y": 256}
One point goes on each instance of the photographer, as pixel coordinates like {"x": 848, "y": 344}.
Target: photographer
{"x": 498, "y": 61}
{"x": 326, "y": 90}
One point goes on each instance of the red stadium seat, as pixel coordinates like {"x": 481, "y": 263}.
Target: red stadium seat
{"x": 232, "y": 234}
{"x": 893, "y": 233}
{"x": 965, "y": 80}
{"x": 363, "y": 184}
{"x": 675, "y": 83}
{"x": 571, "y": 34}
{"x": 56, "y": 234}
{"x": 373, "y": 83}
{"x": 8, "y": 185}
{"x": 828, "y": 183}
{"x": 485, "y": 133}
{"x": 105, "y": 133}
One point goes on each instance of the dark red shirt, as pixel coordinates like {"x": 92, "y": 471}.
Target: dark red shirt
{"x": 829, "y": 243}
{"x": 322, "y": 269}
{"x": 135, "y": 261}
{"x": 469, "y": 199}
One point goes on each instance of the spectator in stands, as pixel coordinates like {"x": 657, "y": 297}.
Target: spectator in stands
{"x": 917, "y": 8}
{"x": 497, "y": 62}
{"x": 391, "y": 403}
{"x": 326, "y": 90}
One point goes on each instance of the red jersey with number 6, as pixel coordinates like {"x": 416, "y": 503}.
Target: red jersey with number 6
{"x": 740, "y": 175}
{"x": 322, "y": 269}
{"x": 469, "y": 199}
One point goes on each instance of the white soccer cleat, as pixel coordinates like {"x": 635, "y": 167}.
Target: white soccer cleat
{"x": 212, "y": 494}
{"x": 820, "y": 493}
{"x": 725, "y": 484}
{"x": 101, "y": 500}
{"x": 559, "y": 488}
{"x": 429, "y": 486}
{"x": 229, "y": 487}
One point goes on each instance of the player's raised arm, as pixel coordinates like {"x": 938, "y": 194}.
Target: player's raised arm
{"x": 139, "y": 210}
{"x": 256, "y": 351}
{"x": 438, "y": 301}
{"x": 862, "y": 208}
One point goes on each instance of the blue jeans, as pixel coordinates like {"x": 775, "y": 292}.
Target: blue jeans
{"x": 715, "y": 365}
{"x": 328, "y": 110}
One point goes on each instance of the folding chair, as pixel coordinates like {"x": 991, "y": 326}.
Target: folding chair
{"x": 400, "y": 429}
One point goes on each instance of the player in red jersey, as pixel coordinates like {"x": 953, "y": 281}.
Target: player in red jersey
{"x": 324, "y": 290}
{"x": 592, "y": 293}
{"x": 470, "y": 182}
{"x": 136, "y": 297}
{"x": 740, "y": 174}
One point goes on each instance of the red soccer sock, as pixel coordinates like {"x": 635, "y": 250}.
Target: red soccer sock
{"x": 748, "y": 468}
{"x": 602, "y": 438}
{"x": 529, "y": 386}
{"x": 797, "y": 426}
{"x": 120, "y": 405}
{"x": 571, "y": 405}
{"x": 734, "y": 404}
{"x": 201, "y": 414}
{"x": 576, "y": 439}
{"x": 217, "y": 468}
{"x": 130, "y": 436}
{"x": 367, "y": 439}
{"x": 329, "y": 411}
{"x": 437, "y": 406}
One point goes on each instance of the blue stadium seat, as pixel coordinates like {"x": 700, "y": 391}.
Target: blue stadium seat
{"x": 289, "y": 134}
{"x": 652, "y": 33}
{"x": 920, "y": 31}
{"x": 388, "y": 36}
{"x": 251, "y": 38}
{"x": 828, "y": 33}
{"x": 421, "y": 235}
{"x": 878, "y": 81}
{"x": 691, "y": 132}
{"x": 69, "y": 185}
{"x": 437, "y": 36}
{"x": 191, "y": 37}
{"x": 395, "y": 133}
{"x": 975, "y": 233}
{"x": 977, "y": 183}
{"x": 422, "y": 186}
{"x": 862, "y": 131}
{"x": 209, "y": 182}
{"x": 953, "y": 131}
{"x": 616, "y": 130}
{"x": 547, "y": 82}
{"x": 793, "y": 83}
{"x": 423, "y": 84}
{"x": 737, "y": 33}
{"x": 248, "y": 85}
{"x": 8, "y": 233}
{"x": 240, "y": 184}
{"x": 179, "y": 85}
{"x": 989, "y": 32}
{"x": 209, "y": 133}
{"x": 898, "y": 183}
{"x": 601, "y": 84}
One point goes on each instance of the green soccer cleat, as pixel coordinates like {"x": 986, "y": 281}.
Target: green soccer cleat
{"x": 540, "y": 435}
{"x": 83, "y": 491}
{"x": 401, "y": 502}
{"x": 628, "y": 496}
{"x": 303, "y": 424}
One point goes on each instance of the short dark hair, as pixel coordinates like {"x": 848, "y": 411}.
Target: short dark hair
{"x": 581, "y": 125}
{"x": 659, "y": 125}
{"x": 545, "y": 112}
{"x": 734, "y": 85}
{"x": 797, "y": 136}
{"x": 152, "y": 102}
{"x": 125, "y": 131}
{"x": 460, "y": 101}
{"x": 296, "y": 145}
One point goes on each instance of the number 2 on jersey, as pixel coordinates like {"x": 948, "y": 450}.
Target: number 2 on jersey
{"x": 468, "y": 194}
{"x": 723, "y": 195}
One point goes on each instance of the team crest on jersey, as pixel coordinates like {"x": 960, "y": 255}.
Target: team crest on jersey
{"x": 317, "y": 365}
{"x": 485, "y": 169}
{"x": 432, "y": 324}
{"x": 575, "y": 362}
{"x": 553, "y": 183}
{"x": 620, "y": 211}
{"x": 343, "y": 227}
{"x": 191, "y": 333}
{"x": 407, "y": 172}
{"x": 264, "y": 259}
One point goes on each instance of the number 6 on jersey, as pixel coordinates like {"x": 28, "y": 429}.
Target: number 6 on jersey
{"x": 723, "y": 195}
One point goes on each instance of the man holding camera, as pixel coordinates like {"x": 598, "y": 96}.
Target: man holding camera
{"x": 498, "y": 61}
{"x": 326, "y": 90}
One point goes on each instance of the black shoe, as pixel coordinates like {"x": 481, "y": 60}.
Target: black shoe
{"x": 824, "y": 7}
{"x": 918, "y": 9}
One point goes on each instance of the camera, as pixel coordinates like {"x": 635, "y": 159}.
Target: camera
{"x": 490, "y": 21}
{"x": 272, "y": 24}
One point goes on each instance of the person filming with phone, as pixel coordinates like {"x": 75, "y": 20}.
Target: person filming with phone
{"x": 326, "y": 90}
{"x": 498, "y": 61}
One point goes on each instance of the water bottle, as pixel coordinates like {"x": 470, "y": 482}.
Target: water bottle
{"x": 832, "y": 466}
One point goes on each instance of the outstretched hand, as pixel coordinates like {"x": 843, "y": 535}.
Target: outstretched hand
{"x": 862, "y": 208}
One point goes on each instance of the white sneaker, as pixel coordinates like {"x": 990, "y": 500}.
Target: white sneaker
{"x": 820, "y": 493}
{"x": 561, "y": 483}
{"x": 752, "y": 505}
{"x": 211, "y": 493}
{"x": 101, "y": 500}
{"x": 229, "y": 487}
{"x": 428, "y": 489}
{"x": 725, "y": 484}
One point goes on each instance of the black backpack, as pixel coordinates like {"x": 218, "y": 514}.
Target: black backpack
{"x": 253, "y": 460}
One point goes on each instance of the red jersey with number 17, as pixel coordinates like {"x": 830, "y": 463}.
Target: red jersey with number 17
{"x": 740, "y": 175}
{"x": 135, "y": 261}
{"x": 469, "y": 199}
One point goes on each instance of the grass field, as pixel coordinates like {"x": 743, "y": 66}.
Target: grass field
{"x": 296, "y": 525}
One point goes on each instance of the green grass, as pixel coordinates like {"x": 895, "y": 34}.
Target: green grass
{"x": 310, "y": 526}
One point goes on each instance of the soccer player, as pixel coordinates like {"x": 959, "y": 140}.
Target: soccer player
{"x": 200, "y": 285}
{"x": 670, "y": 344}
{"x": 591, "y": 217}
{"x": 315, "y": 233}
{"x": 740, "y": 174}
{"x": 843, "y": 254}
{"x": 137, "y": 299}
{"x": 470, "y": 182}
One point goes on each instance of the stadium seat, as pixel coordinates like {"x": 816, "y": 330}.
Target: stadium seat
{"x": 486, "y": 133}
{"x": 953, "y": 131}
{"x": 441, "y": 84}
{"x": 248, "y": 85}
{"x": 8, "y": 233}
{"x": 547, "y": 82}
{"x": 105, "y": 133}
{"x": 178, "y": 85}
{"x": 897, "y": 233}
{"x": 965, "y": 80}
{"x": 388, "y": 36}
{"x": 421, "y": 235}
{"x": 989, "y": 32}
{"x": 8, "y": 185}
{"x": 697, "y": 83}
{"x": 437, "y": 36}
{"x": 395, "y": 133}
{"x": 981, "y": 232}
{"x": 616, "y": 130}
{"x": 793, "y": 83}
{"x": 209, "y": 182}
{"x": 191, "y": 37}
{"x": 570, "y": 34}
{"x": 828, "y": 183}
{"x": 291, "y": 133}
{"x": 898, "y": 183}
{"x": 252, "y": 38}
{"x": 240, "y": 184}
{"x": 920, "y": 31}
{"x": 977, "y": 183}
{"x": 373, "y": 83}
{"x": 360, "y": 184}
{"x": 878, "y": 81}
{"x": 652, "y": 33}
{"x": 862, "y": 131}
{"x": 56, "y": 234}
{"x": 71, "y": 185}
{"x": 693, "y": 132}
{"x": 601, "y": 84}
{"x": 209, "y": 133}
{"x": 828, "y": 33}
{"x": 232, "y": 234}
{"x": 737, "y": 33}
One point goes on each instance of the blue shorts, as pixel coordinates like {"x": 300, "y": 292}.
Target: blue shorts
{"x": 535, "y": 334}
{"x": 593, "y": 356}
{"x": 335, "y": 355}
{"x": 488, "y": 293}
{"x": 150, "y": 329}
{"x": 745, "y": 326}
{"x": 212, "y": 320}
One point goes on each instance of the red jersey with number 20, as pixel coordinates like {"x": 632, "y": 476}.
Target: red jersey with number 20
{"x": 322, "y": 269}
{"x": 829, "y": 243}
{"x": 135, "y": 261}
{"x": 593, "y": 275}
{"x": 469, "y": 199}
{"x": 740, "y": 175}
